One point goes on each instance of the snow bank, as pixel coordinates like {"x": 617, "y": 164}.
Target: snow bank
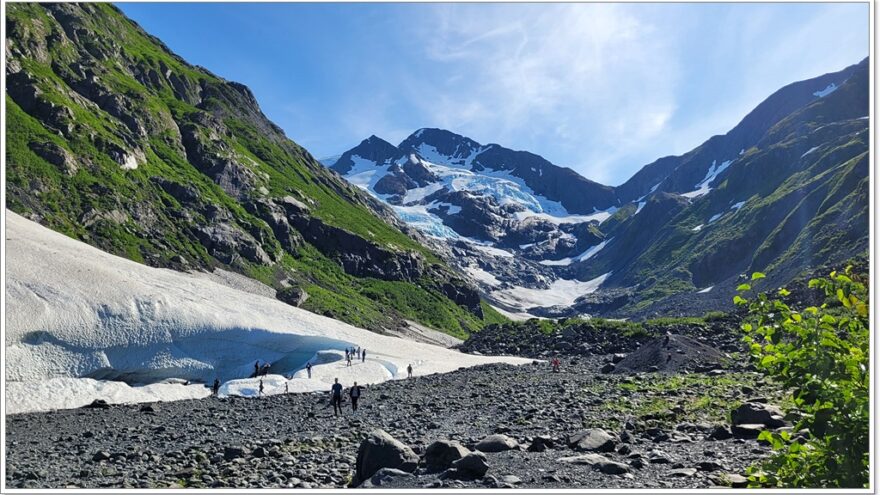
{"x": 76, "y": 315}
{"x": 561, "y": 292}
{"x": 702, "y": 187}
{"x": 827, "y": 91}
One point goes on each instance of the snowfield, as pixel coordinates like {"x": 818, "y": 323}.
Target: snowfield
{"x": 77, "y": 318}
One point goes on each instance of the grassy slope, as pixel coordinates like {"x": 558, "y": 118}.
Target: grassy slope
{"x": 99, "y": 184}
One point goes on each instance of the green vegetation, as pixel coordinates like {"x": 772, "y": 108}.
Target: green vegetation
{"x": 148, "y": 101}
{"x": 822, "y": 354}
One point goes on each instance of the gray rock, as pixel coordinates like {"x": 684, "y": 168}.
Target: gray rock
{"x": 381, "y": 450}
{"x": 441, "y": 454}
{"x": 474, "y": 464}
{"x": 753, "y": 413}
{"x": 747, "y": 430}
{"x": 496, "y": 443}
{"x": 384, "y": 475}
{"x": 682, "y": 472}
{"x": 594, "y": 439}
{"x": 598, "y": 461}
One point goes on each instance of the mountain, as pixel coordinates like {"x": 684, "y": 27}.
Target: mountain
{"x": 114, "y": 140}
{"x": 786, "y": 190}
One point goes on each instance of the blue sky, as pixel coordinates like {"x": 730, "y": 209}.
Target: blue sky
{"x": 601, "y": 88}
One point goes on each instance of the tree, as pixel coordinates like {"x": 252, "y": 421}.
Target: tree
{"x": 821, "y": 354}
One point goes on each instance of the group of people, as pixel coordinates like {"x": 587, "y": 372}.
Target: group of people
{"x": 355, "y": 353}
{"x": 261, "y": 370}
{"x": 354, "y": 393}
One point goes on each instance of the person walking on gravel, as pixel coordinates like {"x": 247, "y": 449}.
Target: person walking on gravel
{"x": 409, "y": 371}
{"x": 215, "y": 388}
{"x": 355, "y": 394}
{"x": 261, "y": 387}
{"x": 336, "y": 397}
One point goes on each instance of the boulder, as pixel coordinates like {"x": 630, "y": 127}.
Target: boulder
{"x": 381, "y": 450}
{"x": 496, "y": 443}
{"x": 594, "y": 439}
{"x": 441, "y": 454}
{"x": 598, "y": 462}
{"x": 540, "y": 444}
{"x": 385, "y": 475}
{"x": 754, "y": 413}
{"x": 747, "y": 430}
{"x": 472, "y": 465}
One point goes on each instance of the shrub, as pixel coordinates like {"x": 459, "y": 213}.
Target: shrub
{"x": 821, "y": 354}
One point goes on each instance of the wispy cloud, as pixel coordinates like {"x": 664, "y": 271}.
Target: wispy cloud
{"x": 586, "y": 78}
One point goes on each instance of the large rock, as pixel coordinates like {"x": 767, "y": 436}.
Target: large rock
{"x": 754, "y": 413}
{"x": 381, "y": 450}
{"x": 599, "y": 462}
{"x": 594, "y": 439}
{"x": 472, "y": 465}
{"x": 441, "y": 454}
{"x": 496, "y": 443}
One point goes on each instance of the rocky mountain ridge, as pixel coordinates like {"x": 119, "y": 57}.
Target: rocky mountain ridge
{"x": 785, "y": 191}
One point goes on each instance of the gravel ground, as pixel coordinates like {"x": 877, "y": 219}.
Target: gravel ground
{"x": 295, "y": 441}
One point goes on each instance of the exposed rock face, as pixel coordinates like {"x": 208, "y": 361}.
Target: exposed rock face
{"x": 594, "y": 439}
{"x": 757, "y": 413}
{"x": 496, "y": 443}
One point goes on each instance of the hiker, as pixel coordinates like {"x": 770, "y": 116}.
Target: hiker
{"x": 555, "y": 364}
{"x": 215, "y": 388}
{"x": 257, "y": 368}
{"x": 409, "y": 371}
{"x": 363, "y": 355}
{"x": 309, "y": 368}
{"x": 286, "y": 388}
{"x": 355, "y": 394}
{"x": 265, "y": 370}
{"x": 348, "y": 359}
{"x": 346, "y": 354}
{"x": 261, "y": 387}
{"x": 336, "y": 397}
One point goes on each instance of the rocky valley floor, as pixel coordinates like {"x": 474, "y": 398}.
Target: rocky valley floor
{"x": 663, "y": 430}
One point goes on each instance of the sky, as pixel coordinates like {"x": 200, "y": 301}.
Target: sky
{"x": 601, "y": 88}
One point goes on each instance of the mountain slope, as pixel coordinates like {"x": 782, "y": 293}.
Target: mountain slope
{"x": 785, "y": 191}
{"x": 114, "y": 140}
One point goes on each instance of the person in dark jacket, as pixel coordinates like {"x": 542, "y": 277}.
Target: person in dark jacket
{"x": 355, "y": 393}
{"x": 336, "y": 397}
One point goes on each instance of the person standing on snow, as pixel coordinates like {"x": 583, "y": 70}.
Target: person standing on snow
{"x": 309, "y": 368}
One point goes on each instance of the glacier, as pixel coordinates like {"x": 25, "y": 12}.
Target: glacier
{"x": 83, "y": 324}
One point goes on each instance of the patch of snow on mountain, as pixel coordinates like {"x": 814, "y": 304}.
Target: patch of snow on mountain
{"x": 73, "y": 311}
{"x": 482, "y": 276}
{"x": 715, "y": 217}
{"x": 641, "y": 205}
{"x": 654, "y": 188}
{"x": 365, "y": 173}
{"x": 419, "y": 217}
{"x": 827, "y": 91}
{"x": 706, "y": 290}
{"x": 814, "y": 148}
{"x": 697, "y": 228}
{"x": 589, "y": 253}
{"x": 737, "y": 206}
{"x": 702, "y": 187}
{"x": 561, "y": 292}
{"x": 487, "y": 248}
{"x": 451, "y": 209}
{"x": 419, "y": 193}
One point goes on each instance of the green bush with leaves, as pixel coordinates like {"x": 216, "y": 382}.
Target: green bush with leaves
{"x": 821, "y": 354}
